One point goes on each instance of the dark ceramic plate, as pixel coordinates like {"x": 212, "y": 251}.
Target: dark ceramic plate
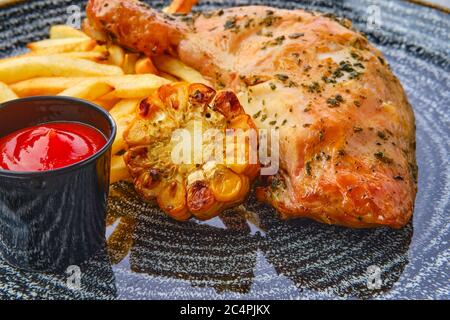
{"x": 255, "y": 255}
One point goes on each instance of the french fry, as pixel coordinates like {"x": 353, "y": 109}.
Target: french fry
{"x": 179, "y": 69}
{"x": 129, "y": 65}
{"x": 119, "y": 170}
{"x": 95, "y": 56}
{"x": 124, "y": 108}
{"x": 125, "y": 86}
{"x": 145, "y": 65}
{"x": 6, "y": 94}
{"x": 51, "y": 46}
{"x": 88, "y": 90}
{"x": 116, "y": 55}
{"x": 44, "y": 86}
{"x": 105, "y": 104}
{"x": 135, "y": 86}
{"x": 64, "y": 31}
{"x": 15, "y": 70}
{"x": 123, "y": 113}
{"x": 180, "y": 6}
{"x": 100, "y": 48}
{"x": 167, "y": 76}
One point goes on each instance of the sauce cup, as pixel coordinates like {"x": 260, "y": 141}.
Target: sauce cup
{"x": 50, "y": 220}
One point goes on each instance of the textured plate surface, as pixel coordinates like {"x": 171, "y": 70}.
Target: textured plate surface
{"x": 252, "y": 254}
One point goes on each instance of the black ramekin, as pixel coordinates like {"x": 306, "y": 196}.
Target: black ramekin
{"x": 53, "y": 219}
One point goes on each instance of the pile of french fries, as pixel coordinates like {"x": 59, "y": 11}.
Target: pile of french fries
{"x": 72, "y": 64}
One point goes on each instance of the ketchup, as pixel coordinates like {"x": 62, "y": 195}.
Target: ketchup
{"x": 49, "y": 146}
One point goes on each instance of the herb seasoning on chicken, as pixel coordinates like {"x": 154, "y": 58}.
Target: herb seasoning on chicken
{"x": 334, "y": 81}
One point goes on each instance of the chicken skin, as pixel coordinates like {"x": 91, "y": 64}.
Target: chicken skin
{"x": 346, "y": 129}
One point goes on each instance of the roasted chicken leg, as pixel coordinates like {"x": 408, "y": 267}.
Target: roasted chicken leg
{"x": 347, "y": 132}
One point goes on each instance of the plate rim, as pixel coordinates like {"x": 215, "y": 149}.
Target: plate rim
{"x": 423, "y": 3}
